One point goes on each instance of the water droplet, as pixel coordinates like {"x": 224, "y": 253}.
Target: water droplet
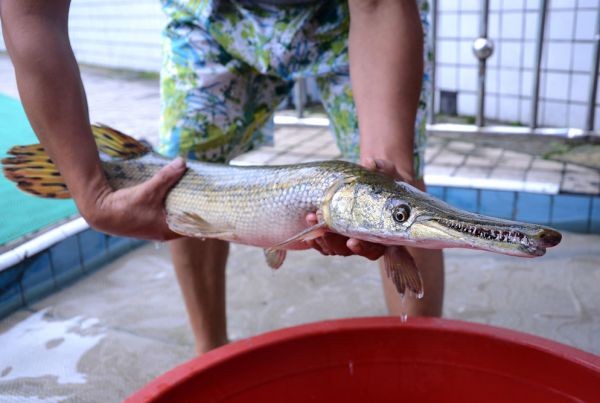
{"x": 157, "y": 245}
{"x": 404, "y": 317}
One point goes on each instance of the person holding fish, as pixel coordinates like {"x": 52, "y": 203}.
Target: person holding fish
{"x": 227, "y": 66}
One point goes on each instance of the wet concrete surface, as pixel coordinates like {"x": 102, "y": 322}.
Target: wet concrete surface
{"x": 125, "y": 324}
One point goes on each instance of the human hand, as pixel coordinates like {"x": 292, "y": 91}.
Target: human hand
{"x": 336, "y": 244}
{"x": 137, "y": 211}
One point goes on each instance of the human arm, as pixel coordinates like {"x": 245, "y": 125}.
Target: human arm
{"x": 386, "y": 70}
{"x": 49, "y": 82}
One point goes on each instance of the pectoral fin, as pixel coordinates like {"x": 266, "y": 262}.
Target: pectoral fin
{"x": 275, "y": 257}
{"x": 191, "y": 224}
{"x": 400, "y": 267}
{"x": 276, "y": 254}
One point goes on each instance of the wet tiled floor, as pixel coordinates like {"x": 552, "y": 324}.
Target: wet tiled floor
{"x": 121, "y": 326}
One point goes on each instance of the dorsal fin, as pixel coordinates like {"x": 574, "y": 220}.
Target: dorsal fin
{"x": 117, "y": 144}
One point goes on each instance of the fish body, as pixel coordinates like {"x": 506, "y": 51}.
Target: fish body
{"x": 266, "y": 206}
{"x": 254, "y": 205}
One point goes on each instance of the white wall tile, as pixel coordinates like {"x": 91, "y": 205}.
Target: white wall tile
{"x": 494, "y": 25}
{"x": 495, "y": 4}
{"x": 554, "y": 114}
{"x": 577, "y": 116}
{"x": 533, "y": 4}
{"x": 448, "y": 5}
{"x": 117, "y": 34}
{"x": 469, "y": 26}
{"x": 526, "y": 83}
{"x": 448, "y": 25}
{"x": 525, "y": 114}
{"x": 562, "y": 4}
{"x": 509, "y": 109}
{"x": 556, "y": 86}
{"x": 528, "y": 55}
{"x": 586, "y": 24}
{"x": 491, "y": 80}
{"x": 470, "y": 5}
{"x": 446, "y": 78}
{"x": 447, "y": 51}
{"x": 587, "y": 3}
{"x": 560, "y": 24}
{"x": 597, "y": 119}
{"x": 467, "y": 104}
{"x": 582, "y": 56}
{"x": 558, "y": 55}
{"x": 580, "y": 87}
{"x": 510, "y": 54}
{"x": 467, "y": 79}
{"x": 491, "y": 107}
{"x": 531, "y": 25}
{"x": 512, "y": 5}
{"x": 509, "y": 82}
{"x": 466, "y": 53}
{"x": 512, "y": 25}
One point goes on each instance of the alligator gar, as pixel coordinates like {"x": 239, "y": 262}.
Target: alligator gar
{"x": 266, "y": 206}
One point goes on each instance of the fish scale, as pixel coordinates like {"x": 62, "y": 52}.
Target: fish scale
{"x": 263, "y": 206}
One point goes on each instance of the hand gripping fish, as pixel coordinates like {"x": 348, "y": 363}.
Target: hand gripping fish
{"x": 266, "y": 206}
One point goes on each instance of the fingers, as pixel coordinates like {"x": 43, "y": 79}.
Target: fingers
{"x": 165, "y": 179}
{"x": 371, "y": 251}
{"x": 312, "y": 219}
{"x": 386, "y": 167}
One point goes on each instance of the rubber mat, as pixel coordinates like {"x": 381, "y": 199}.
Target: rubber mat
{"x": 22, "y": 214}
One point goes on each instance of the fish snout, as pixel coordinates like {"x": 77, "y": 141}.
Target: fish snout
{"x": 548, "y": 237}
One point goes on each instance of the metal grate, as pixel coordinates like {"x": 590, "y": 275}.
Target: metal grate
{"x": 541, "y": 76}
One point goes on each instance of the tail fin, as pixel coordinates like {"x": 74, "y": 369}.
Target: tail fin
{"x": 35, "y": 173}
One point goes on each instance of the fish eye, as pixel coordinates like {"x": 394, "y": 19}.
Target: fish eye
{"x": 400, "y": 213}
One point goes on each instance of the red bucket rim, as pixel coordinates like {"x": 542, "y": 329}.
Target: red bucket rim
{"x": 183, "y": 372}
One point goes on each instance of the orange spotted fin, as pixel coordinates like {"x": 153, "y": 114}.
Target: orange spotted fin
{"x": 116, "y": 144}
{"x": 34, "y": 172}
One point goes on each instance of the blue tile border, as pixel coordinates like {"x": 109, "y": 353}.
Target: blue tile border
{"x": 572, "y": 213}
{"x": 66, "y": 260}
{"x": 38, "y": 277}
{"x": 58, "y": 266}
{"x": 533, "y": 208}
{"x": 497, "y": 203}
{"x": 595, "y": 216}
{"x": 577, "y": 213}
{"x": 11, "y": 293}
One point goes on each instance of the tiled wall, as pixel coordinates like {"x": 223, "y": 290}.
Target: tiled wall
{"x": 41, "y": 274}
{"x": 513, "y": 26}
{"x": 116, "y": 34}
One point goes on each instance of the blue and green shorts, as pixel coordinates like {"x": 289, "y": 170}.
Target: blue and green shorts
{"x": 229, "y": 64}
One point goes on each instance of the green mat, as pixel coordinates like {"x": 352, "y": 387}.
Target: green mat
{"x": 22, "y": 214}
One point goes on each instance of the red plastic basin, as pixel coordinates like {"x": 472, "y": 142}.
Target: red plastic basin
{"x": 383, "y": 359}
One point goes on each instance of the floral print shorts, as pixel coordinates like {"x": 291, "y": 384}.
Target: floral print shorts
{"x": 229, "y": 64}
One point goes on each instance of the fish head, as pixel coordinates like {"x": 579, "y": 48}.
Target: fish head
{"x": 380, "y": 210}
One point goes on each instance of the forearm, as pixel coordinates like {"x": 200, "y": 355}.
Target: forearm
{"x": 50, "y": 87}
{"x": 386, "y": 69}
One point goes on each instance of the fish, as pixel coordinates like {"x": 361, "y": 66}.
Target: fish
{"x": 266, "y": 206}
